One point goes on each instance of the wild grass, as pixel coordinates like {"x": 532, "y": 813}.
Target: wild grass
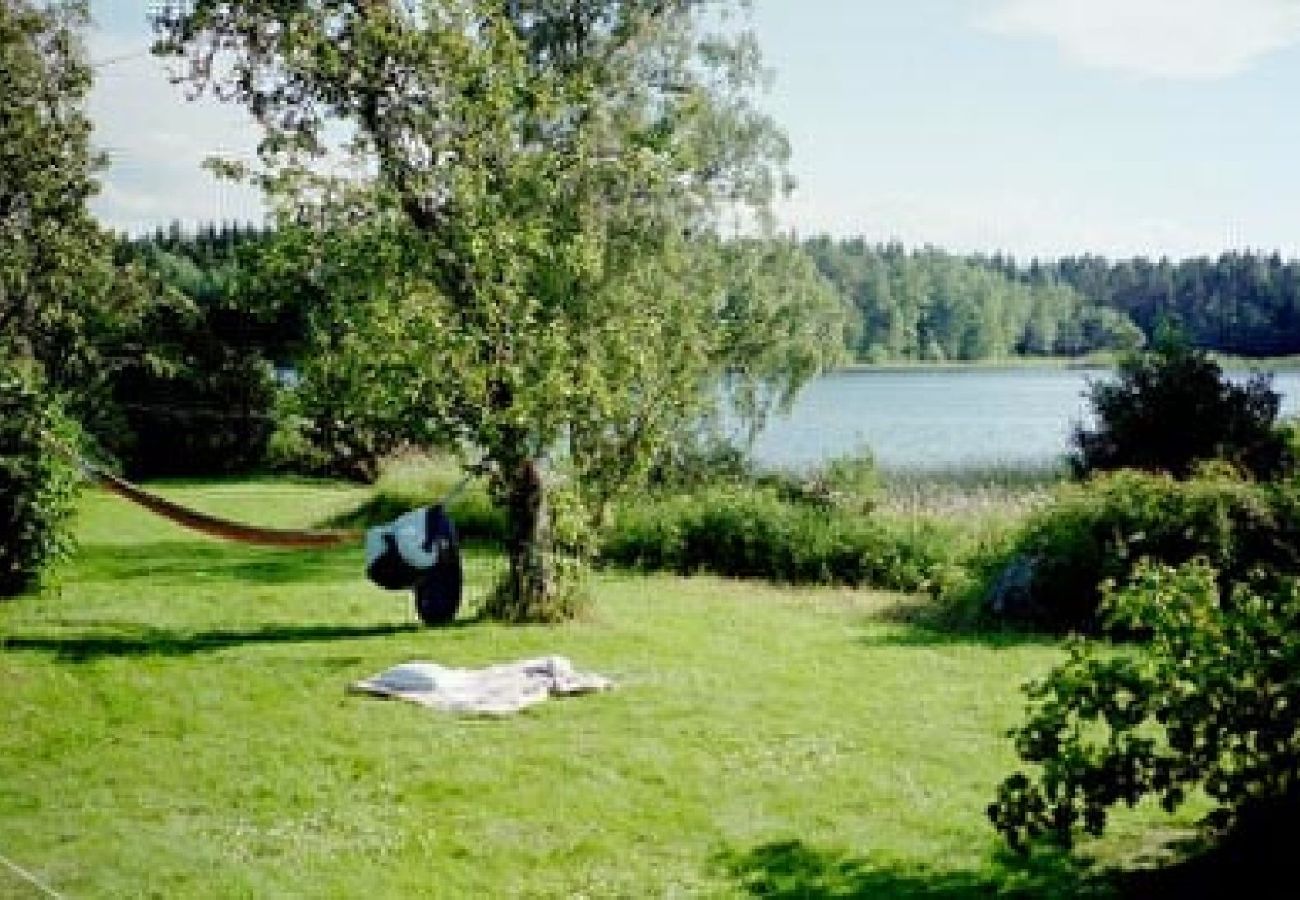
{"x": 755, "y": 532}
{"x": 175, "y": 724}
{"x": 975, "y": 505}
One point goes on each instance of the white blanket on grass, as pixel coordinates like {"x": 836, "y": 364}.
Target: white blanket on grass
{"x": 492, "y": 691}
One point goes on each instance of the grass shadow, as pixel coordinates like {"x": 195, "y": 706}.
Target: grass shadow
{"x": 142, "y": 640}
{"x": 173, "y": 562}
{"x": 993, "y": 638}
{"x": 786, "y": 870}
{"x": 929, "y": 624}
{"x": 1256, "y": 857}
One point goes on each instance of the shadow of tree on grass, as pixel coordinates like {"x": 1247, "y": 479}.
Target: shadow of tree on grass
{"x": 143, "y": 640}
{"x": 1257, "y": 861}
{"x": 786, "y": 870}
{"x": 1255, "y": 858}
{"x": 923, "y": 622}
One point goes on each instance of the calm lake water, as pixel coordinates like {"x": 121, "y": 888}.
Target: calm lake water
{"x": 939, "y": 418}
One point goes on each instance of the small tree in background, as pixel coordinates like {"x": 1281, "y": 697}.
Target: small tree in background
{"x": 1172, "y": 407}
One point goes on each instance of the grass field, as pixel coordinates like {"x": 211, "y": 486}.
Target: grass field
{"x": 175, "y": 724}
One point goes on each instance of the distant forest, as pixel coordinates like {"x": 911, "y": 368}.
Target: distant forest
{"x": 931, "y": 305}
{"x": 905, "y": 304}
{"x": 196, "y": 380}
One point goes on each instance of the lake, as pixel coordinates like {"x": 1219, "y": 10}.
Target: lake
{"x": 932, "y": 418}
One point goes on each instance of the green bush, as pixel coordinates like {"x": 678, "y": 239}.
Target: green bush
{"x": 853, "y": 478}
{"x": 696, "y": 459}
{"x": 701, "y": 460}
{"x": 1172, "y": 407}
{"x": 1207, "y": 704}
{"x": 850, "y": 484}
{"x": 1099, "y": 530}
{"x": 37, "y": 486}
{"x": 754, "y": 532}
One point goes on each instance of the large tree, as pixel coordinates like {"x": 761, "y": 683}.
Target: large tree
{"x": 58, "y": 284}
{"x": 525, "y": 256}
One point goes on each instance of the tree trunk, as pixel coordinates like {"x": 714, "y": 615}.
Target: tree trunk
{"x": 530, "y": 590}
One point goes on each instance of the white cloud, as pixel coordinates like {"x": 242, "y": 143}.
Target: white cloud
{"x": 1178, "y": 39}
{"x": 156, "y": 141}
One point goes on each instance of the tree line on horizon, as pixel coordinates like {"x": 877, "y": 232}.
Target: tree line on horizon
{"x": 1244, "y": 303}
{"x": 921, "y": 304}
{"x": 927, "y": 304}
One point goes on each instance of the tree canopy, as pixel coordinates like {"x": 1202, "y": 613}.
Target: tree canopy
{"x": 524, "y": 254}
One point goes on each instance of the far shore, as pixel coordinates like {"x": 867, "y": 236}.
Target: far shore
{"x": 1090, "y": 362}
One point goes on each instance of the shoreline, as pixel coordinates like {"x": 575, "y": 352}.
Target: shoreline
{"x": 1266, "y": 364}
{"x": 1028, "y": 362}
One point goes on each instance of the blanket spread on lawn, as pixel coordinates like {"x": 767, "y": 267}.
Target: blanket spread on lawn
{"x": 494, "y": 690}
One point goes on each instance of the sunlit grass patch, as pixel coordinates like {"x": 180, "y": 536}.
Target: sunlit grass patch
{"x": 175, "y": 723}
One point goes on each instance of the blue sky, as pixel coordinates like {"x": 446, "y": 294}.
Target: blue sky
{"x": 1039, "y": 127}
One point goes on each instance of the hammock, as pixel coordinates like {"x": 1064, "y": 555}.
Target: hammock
{"x": 214, "y": 526}
{"x": 204, "y": 523}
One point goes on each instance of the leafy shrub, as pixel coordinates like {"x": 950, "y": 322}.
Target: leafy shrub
{"x": 1208, "y": 704}
{"x": 854, "y": 475}
{"x": 1099, "y": 530}
{"x": 698, "y": 458}
{"x": 37, "y": 486}
{"x": 1172, "y": 407}
{"x": 847, "y": 483}
{"x": 753, "y": 532}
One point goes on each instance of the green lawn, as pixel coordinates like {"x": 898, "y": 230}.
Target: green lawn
{"x": 174, "y": 723}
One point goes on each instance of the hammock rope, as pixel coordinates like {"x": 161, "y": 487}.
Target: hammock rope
{"x": 204, "y": 523}
{"x": 228, "y": 529}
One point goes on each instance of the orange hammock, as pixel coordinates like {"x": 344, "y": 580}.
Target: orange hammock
{"x": 202, "y": 522}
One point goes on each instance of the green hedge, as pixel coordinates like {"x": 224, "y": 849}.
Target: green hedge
{"x": 754, "y": 532}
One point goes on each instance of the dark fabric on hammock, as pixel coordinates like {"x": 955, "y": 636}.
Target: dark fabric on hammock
{"x": 438, "y": 592}
{"x": 438, "y": 587}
